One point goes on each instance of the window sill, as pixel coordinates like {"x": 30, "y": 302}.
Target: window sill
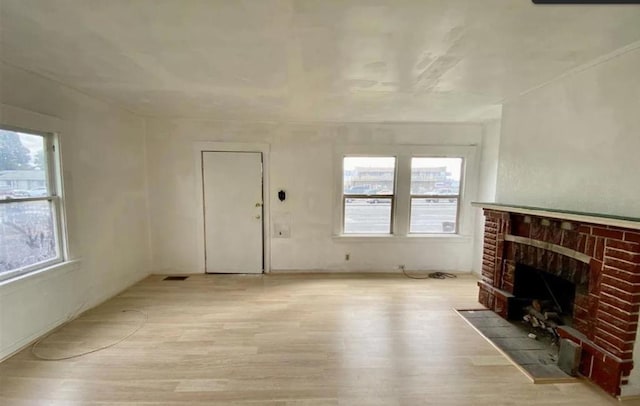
{"x": 411, "y": 238}
{"x": 41, "y": 274}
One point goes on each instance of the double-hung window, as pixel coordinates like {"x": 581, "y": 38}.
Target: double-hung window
{"x": 403, "y": 190}
{"x": 30, "y": 205}
{"x": 368, "y": 194}
{"x": 435, "y": 195}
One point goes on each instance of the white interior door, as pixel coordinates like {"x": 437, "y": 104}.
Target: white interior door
{"x": 233, "y": 215}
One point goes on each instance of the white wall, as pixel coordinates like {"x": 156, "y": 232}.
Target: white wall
{"x": 105, "y": 183}
{"x": 302, "y": 159}
{"x": 488, "y": 174}
{"x": 575, "y": 144}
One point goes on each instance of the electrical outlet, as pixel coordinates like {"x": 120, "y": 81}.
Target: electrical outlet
{"x": 347, "y": 256}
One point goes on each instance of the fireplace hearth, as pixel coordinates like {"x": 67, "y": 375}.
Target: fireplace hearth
{"x": 574, "y": 275}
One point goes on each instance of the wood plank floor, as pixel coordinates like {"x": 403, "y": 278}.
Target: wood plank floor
{"x": 282, "y": 340}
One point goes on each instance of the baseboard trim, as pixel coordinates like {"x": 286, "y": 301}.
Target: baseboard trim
{"x": 29, "y": 341}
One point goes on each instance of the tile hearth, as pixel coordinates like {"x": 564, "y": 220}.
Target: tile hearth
{"x": 536, "y": 358}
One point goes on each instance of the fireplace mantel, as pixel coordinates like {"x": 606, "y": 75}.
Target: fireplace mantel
{"x": 593, "y": 218}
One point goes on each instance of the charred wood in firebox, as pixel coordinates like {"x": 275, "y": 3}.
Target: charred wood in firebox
{"x": 540, "y": 318}
{"x": 544, "y": 306}
{"x": 553, "y": 316}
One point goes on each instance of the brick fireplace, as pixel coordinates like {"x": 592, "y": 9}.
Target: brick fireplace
{"x": 599, "y": 255}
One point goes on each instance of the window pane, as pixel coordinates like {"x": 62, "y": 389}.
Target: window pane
{"x": 22, "y": 165}
{"x": 433, "y": 215}
{"x": 27, "y": 234}
{"x": 435, "y": 176}
{"x": 369, "y": 175}
{"x": 367, "y": 216}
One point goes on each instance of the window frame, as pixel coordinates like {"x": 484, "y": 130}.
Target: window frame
{"x": 391, "y": 196}
{"x": 53, "y": 181}
{"x": 457, "y": 196}
{"x": 402, "y": 189}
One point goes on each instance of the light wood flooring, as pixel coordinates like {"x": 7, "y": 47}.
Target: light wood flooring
{"x": 282, "y": 340}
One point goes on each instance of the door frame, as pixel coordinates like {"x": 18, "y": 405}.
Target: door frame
{"x": 214, "y": 146}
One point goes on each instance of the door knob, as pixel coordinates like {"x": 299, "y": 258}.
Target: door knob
{"x": 258, "y": 204}
{"x": 258, "y": 217}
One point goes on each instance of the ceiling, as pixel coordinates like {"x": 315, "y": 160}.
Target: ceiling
{"x": 305, "y": 60}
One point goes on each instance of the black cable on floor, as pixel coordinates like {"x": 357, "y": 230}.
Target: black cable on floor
{"x": 432, "y": 275}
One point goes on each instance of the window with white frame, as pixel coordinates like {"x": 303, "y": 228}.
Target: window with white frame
{"x": 30, "y": 205}
{"x": 368, "y": 194}
{"x": 401, "y": 190}
{"x": 435, "y": 195}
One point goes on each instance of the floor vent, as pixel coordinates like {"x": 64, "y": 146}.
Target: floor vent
{"x": 175, "y": 278}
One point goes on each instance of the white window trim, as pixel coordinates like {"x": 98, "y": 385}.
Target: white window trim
{"x": 402, "y": 209}
{"x": 17, "y": 119}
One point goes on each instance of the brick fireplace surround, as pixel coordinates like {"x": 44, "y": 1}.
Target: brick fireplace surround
{"x": 599, "y": 254}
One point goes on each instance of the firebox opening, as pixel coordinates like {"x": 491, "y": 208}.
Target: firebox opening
{"x": 542, "y": 291}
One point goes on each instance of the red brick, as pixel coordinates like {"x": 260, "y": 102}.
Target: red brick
{"x": 489, "y": 247}
{"x": 624, "y": 275}
{"x": 595, "y": 265}
{"x": 586, "y": 361}
{"x": 624, "y": 245}
{"x": 581, "y": 326}
{"x": 580, "y": 313}
{"x": 582, "y": 241}
{"x": 609, "y": 311}
{"x": 614, "y": 345}
{"x": 619, "y": 284}
{"x": 614, "y": 301}
{"x": 490, "y": 232}
{"x": 606, "y": 376}
{"x": 622, "y": 325}
{"x": 625, "y": 334}
{"x": 621, "y": 265}
{"x": 581, "y": 300}
{"x": 521, "y": 229}
{"x": 595, "y": 275}
{"x": 554, "y": 235}
{"x": 584, "y": 229}
{"x": 570, "y": 239}
{"x": 620, "y": 294}
{"x": 632, "y": 236}
{"x": 592, "y": 305}
{"x": 590, "y": 246}
{"x": 607, "y": 233}
{"x": 623, "y": 255}
{"x": 599, "y": 250}
{"x": 507, "y": 286}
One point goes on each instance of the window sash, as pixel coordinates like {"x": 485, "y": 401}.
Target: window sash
{"x": 456, "y": 230}
{"x": 368, "y": 197}
{"x": 52, "y": 181}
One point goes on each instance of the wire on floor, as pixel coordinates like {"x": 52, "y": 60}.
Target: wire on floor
{"x": 432, "y": 275}
{"x": 104, "y": 347}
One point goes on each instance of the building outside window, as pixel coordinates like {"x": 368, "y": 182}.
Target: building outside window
{"x": 368, "y": 187}
{"x": 30, "y": 204}
{"x": 435, "y": 195}
{"x": 374, "y": 186}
